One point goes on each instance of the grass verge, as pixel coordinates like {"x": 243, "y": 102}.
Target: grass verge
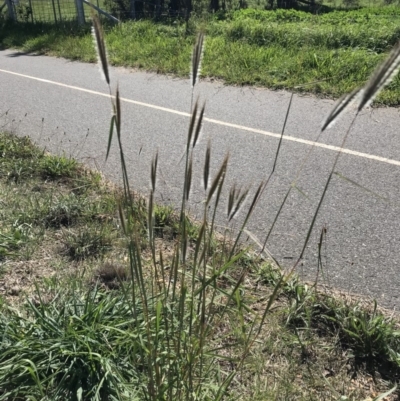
{"x": 328, "y": 54}
{"x": 68, "y": 331}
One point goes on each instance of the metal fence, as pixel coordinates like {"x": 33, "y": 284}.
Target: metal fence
{"x": 55, "y": 11}
{"x": 58, "y": 11}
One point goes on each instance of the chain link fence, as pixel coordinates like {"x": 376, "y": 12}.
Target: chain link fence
{"x": 52, "y": 11}
{"x": 58, "y": 11}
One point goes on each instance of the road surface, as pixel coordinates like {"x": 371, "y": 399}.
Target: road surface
{"x": 64, "y": 106}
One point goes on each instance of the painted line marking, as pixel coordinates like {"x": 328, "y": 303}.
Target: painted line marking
{"x": 218, "y": 122}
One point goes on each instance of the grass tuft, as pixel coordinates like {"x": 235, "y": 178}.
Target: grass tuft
{"x": 58, "y": 339}
{"x": 110, "y": 274}
{"x": 87, "y": 243}
{"x": 64, "y": 212}
{"x": 56, "y": 167}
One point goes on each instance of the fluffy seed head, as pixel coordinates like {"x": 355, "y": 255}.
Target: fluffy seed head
{"x": 340, "y": 107}
{"x": 100, "y": 47}
{"x": 197, "y": 58}
{"x": 382, "y": 76}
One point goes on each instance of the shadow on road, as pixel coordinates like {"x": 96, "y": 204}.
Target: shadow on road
{"x": 28, "y": 53}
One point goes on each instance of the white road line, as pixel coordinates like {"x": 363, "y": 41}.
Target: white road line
{"x": 219, "y": 122}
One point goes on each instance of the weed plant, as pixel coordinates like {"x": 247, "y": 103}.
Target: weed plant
{"x": 182, "y": 301}
{"x": 184, "y": 310}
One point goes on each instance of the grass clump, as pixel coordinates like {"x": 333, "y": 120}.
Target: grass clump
{"x": 372, "y": 338}
{"x": 43, "y": 193}
{"x": 61, "y": 349}
{"x": 110, "y": 274}
{"x": 64, "y": 211}
{"x": 18, "y": 157}
{"x": 22, "y": 160}
{"x": 87, "y": 243}
{"x": 13, "y": 238}
{"x": 55, "y": 167}
{"x": 12, "y": 147}
{"x": 369, "y": 336}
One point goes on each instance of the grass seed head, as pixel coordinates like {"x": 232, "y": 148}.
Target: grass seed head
{"x": 189, "y": 177}
{"x": 118, "y": 112}
{"x": 154, "y": 172}
{"x": 340, "y": 107}
{"x": 197, "y": 57}
{"x": 237, "y": 197}
{"x": 199, "y": 125}
{"x": 218, "y": 179}
{"x": 206, "y": 172}
{"x": 100, "y": 47}
{"x": 382, "y": 76}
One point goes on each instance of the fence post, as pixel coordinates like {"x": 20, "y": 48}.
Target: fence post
{"x": 80, "y": 12}
{"x": 11, "y": 11}
{"x": 54, "y": 12}
{"x": 132, "y": 9}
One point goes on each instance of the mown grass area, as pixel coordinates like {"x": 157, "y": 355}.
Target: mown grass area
{"x": 327, "y": 54}
{"x": 71, "y": 330}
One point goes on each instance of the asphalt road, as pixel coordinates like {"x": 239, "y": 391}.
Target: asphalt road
{"x": 64, "y": 106}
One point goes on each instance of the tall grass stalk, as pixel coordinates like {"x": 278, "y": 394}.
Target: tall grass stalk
{"x": 183, "y": 306}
